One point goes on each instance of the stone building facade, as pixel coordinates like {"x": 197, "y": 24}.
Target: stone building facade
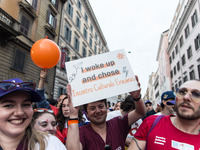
{"x": 80, "y": 36}
{"x": 23, "y": 22}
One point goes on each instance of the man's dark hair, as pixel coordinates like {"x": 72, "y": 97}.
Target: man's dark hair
{"x": 52, "y": 101}
{"x": 85, "y": 106}
{"x": 162, "y": 105}
{"x": 128, "y": 104}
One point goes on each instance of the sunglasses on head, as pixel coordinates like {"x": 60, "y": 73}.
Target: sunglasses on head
{"x": 7, "y": 85}
{"x": 43, "y": 110}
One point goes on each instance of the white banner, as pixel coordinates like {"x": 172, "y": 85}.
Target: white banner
{"x": 100, "y": 76}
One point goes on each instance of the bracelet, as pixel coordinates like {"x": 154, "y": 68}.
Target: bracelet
{"x": 72, "y": 122}
{"x": 42, "y": 78}
{"x": 137, "y": 99}
{"x": 73, "y": 119}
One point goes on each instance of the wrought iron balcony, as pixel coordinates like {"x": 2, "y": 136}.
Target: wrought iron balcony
{"x": 9, "y": 27}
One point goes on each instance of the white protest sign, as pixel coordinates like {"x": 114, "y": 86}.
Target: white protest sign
{"x": 100, "y": 76}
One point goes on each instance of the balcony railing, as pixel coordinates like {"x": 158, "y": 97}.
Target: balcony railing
{"x": 6, "y": 19}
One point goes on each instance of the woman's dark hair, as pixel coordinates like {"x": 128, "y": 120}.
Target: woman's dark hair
{"x": 80, "y": 116}
{"x": 52, "y": 101}
{"x": 60, "y": 118}
{"x": 128, "y": 104}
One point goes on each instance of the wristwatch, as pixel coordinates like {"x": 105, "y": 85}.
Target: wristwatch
{"x": 137, "y": 99}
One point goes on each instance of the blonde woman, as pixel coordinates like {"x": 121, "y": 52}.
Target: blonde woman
{"x": 16, "y": 132}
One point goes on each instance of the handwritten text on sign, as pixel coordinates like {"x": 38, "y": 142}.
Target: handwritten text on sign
{"x": 101, "y": 76}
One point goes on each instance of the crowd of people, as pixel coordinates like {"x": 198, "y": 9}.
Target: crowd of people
{"x": 30, "y": 121}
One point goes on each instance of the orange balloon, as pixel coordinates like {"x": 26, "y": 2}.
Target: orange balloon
{"x": 45, "y": 53}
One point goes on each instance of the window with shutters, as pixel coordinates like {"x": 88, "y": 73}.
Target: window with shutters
{"x": 171, "y": 73}
{"x": 178, "y": 66}
{"x": 156, "y": 85}
{"x": 18, "y": 61}
{"x": 91, "y": 28}
{"x": 95, "y": 49}
{"x": 33, "y": 3}
{"x": 197, "y": 42}
{"x": 170, "y": 59}
{"x": 84, "y": 53}
{"x": 96, "y": 36}
{"x": 25, "y": 25}
{"x": 187, "y": 31}
{"x": 192, "y": 75}
{"x": 157, "y": 94}
{"x": 185, "y": 78}
{"x": 90, "y": 41}
{"x": 174, "y": 70}
{"x": 173, "y": 55}
{"x": 69, "y": 9}
{"x": 181, "y": 41}
{"x": 85, "y": 33}
{"x": 176, "y": 49}
{"x": 194, "y": 18}
{"x": 189, "y": 52}
{"x": 76, "y": 43}
{"x": 183, "y": 59}
{"x": 79, "y": 5}
{"x": 51, "y": 19}
{"x": 68, "y": 33}
{"x": 179, "y": 83}
{"x": 86, "y": 17}
{"x": 61, "y": 90}
{"x": 78, "y": 22}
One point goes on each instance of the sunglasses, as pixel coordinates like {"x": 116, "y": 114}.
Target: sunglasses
{"x": 194, "y": 95}
{"x": 7, "y": 86}
{"x": 169, "y": 103}
{"x": 107, "y": 147}
{"x": 43, "y": 110}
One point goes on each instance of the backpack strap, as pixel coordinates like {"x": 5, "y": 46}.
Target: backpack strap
{"x": 153, "y": 125}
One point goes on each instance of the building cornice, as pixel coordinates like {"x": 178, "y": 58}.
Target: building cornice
{"x": 180, "y": 24}
{"x": 87, "y": 4}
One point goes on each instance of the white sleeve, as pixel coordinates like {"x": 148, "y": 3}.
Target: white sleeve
{"x": 53, "y": 143}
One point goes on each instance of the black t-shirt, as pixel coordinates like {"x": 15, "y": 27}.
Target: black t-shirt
{"x": 149, "y": 113}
